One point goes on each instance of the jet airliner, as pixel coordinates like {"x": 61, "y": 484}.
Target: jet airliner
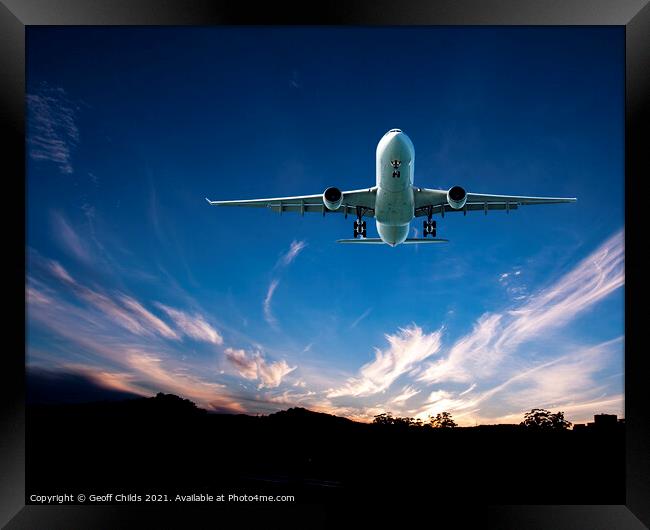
{"x": 394, "y": 201}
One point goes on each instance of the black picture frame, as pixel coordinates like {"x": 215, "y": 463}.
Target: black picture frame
{"x": 15, "y": 15}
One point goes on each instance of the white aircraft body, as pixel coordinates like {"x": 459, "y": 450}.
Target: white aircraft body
{"x": 393, "y": 201}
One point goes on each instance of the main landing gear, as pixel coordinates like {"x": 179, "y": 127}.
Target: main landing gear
{"x": 359, "y": 228}
{"x": 429, "y": 226}
{"x": 359, "y": 225}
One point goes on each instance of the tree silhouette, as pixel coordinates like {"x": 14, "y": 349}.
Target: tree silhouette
{"x": 442, "y": 421}
{"x": 385, "y": 418}
{"x": 545, "y": 420}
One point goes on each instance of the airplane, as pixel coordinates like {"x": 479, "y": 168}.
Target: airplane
{"x": 394, "y": 201}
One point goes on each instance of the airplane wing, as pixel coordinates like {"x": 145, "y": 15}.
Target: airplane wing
{"x": 364, "y": 199}
{"x": 437, "y": 201}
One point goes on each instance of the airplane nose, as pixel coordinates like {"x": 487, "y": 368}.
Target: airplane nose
{"x": 399, "y": 140}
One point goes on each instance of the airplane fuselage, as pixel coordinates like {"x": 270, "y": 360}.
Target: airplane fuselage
{"x": 394, "y": 204}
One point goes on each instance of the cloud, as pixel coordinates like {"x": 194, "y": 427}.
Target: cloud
{"x": 161, "y": 373}
{"x": 268, "y": 316}
{"x": 122, "y": 362}
{"x": 407, "y": 349}
{"x": 565, "y": 382}
{"x": 57, "y": 269}
{"x": 468, "y": 355}
{"x": 480, "y": 376}
{"x": 253, "y": 366}
{"x": 498, "y": 335}
{"x": 590, "y": 281}
{"x": 582, "y": 412}
{"x": 285, "y": 260}
{"x": 35, "y": 296}
{"x": 68, "y": 238}
{"x": 295, "y": 248}
{"x": 472, "y": 387}
{"x": 130, "y": 314}
{"x": 118, "y": 381}
{"x": 406, "y": 393}
{"x": 145, "y": 316}
{"x": 571, "y": 377}
{"x": 52, "y": 129}
{"x": 513, "y": 284}
{"x": 360, "y": 318}
{"x": 193, "y": 326}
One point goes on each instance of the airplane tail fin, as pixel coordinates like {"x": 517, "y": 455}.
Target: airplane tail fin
{"x": 378, "y": 241}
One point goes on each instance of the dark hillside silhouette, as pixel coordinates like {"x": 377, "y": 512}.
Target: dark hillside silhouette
{"x": 167, "y": 444}
{"x": 48, "y": 386}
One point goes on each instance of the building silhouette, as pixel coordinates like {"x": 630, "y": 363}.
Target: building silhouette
{"x": 602, "y": 422}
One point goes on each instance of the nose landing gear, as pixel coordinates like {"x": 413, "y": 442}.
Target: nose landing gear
{"x": 395, "y": 164}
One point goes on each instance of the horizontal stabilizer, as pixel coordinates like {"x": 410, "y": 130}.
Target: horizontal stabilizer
{"x": 413, "y": 241}
{"x": 378, "y": 241}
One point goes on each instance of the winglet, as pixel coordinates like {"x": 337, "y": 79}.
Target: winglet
{"x": 209, "y": 201}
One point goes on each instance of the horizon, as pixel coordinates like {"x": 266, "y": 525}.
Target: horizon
{"x": 161, "y": 395}
{"x": 137, "y": 286}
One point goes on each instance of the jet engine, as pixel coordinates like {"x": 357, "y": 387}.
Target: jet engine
{"x": 456, "y": 197}
{"x": 332, "y": 198}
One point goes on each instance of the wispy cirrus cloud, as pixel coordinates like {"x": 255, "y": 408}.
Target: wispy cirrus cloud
{"x": 152, "y": 320}
{"x": 498, "y": 380}
{"x": 52, "y": 128}
{"x": 357, "y": 320}
{"x": 164, "y": 373}
{"x": 130, "y": 314}
{"x": 268, "y": 315}
{"x": 563, "y": 382}
{"x": 497, "y": 335}
{"x": 482, "y": 376}
{"x": 122, "y": 309}
{"x": 295, "y": 248}
{"x": 405, "y": 394}
{"x": 407, "y": 349}
{"x": 68, "y": 238}
{"x": 254, "y": 366}
{"x": 192, "y": 325}
{"x": 121, "y": 344}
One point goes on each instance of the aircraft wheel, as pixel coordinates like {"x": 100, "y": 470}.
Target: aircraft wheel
{"x": 433, "y": 233}
{"x": 363, "y": 233}
{"x": 363, "y": 225}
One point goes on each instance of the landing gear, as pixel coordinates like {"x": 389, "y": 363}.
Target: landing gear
{"x": 429, "y": 226}
{"x": 359, "y": 225}
{"x": 395, "y": 164}
{"x": 359, "y": 228}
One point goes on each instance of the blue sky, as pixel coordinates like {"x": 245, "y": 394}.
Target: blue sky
{"x": 136, "y": 283}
